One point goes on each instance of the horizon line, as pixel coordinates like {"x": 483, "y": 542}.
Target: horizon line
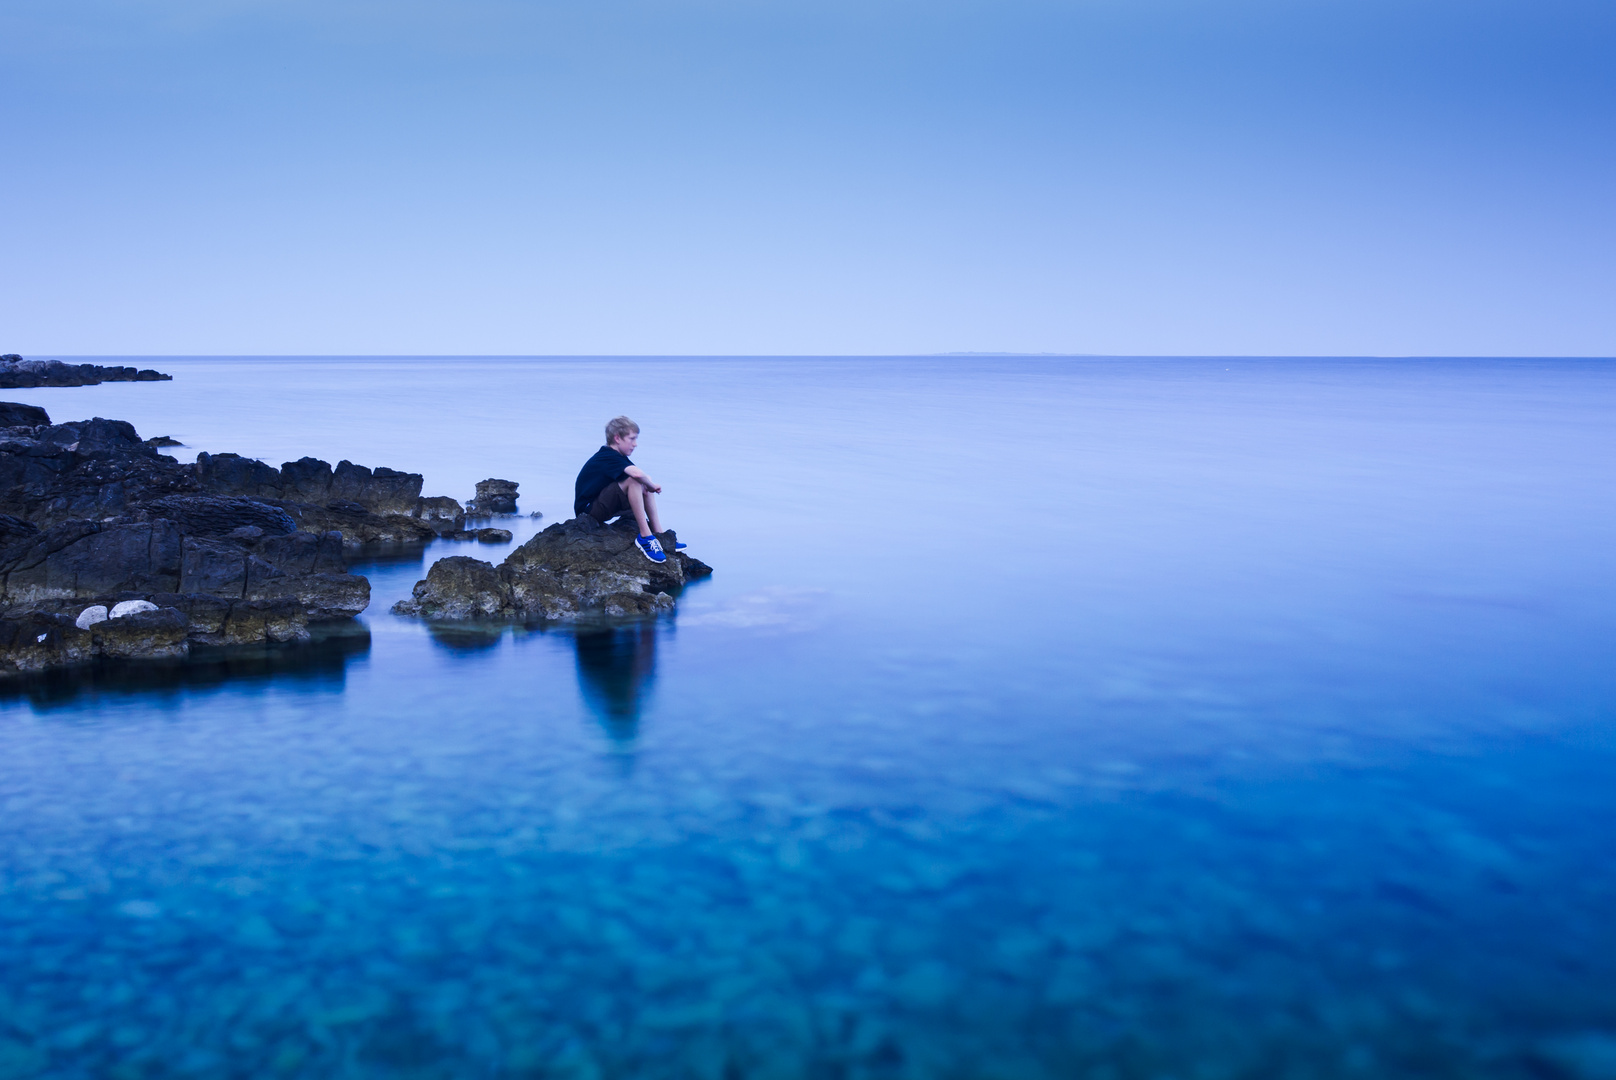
{"x": 955, "y": 354}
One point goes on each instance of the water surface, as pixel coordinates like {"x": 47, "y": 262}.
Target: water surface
{"x": 1043, "y": 718}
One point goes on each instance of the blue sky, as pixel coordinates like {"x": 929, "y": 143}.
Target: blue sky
{"x": 741, "y": 176}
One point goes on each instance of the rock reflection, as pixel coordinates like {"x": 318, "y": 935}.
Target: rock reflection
{"x": 321, "y": 663}
{"x": 466, "y": 638}
{"x": 616, "y": 667}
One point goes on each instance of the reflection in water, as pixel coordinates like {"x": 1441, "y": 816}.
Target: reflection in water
{"x": 466, "y": 637}
{"x": 615, "y": 670}
{"x": 320, "y": 663}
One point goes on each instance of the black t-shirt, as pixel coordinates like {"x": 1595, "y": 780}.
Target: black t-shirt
{"x": 606, "y": 467}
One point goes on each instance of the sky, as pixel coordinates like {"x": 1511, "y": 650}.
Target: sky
{"x": 1251, "y": 177}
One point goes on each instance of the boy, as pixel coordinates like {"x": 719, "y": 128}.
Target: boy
{"x": 610, "y": 484}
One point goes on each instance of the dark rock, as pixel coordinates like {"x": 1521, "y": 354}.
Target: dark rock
{"x": 211, "y": 515}
{"x": 145, "y": 635}
{"x": 13, "y": 414}
{"x": 382, "y": 491}
{"x": 494, "y": 536}
{"x": 158, "y": 441}
{"x": 17, "y": 372}
{"x": 12, "y": 529}
{"x": 459, "y": 587}
{"x": 440, "y": 513}
{"x": 36, "y": 640}
{"x": 228, "y": 551}
{"x": 358, "y": 526}
{"x": 494, "y": 497}
{"x": 351, "y": 488}
{"x": 232, "y": 474}
{"x": 572, "y": 568}
{"x": 86, "y": 470}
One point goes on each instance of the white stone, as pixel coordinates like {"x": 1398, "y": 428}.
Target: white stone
{"x": 130, "y": 607}
{"x": 90, "y": 616}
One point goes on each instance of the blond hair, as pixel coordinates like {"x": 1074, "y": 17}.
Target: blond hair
{"x": 618, "y": 426}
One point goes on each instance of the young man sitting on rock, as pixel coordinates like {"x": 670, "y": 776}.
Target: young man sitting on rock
{"x": 610, "y": 484}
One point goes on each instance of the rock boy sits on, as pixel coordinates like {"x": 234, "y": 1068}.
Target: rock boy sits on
{"x": 610, "y": 484}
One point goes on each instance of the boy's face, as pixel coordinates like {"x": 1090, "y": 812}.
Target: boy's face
{"x": 625, "y": 444}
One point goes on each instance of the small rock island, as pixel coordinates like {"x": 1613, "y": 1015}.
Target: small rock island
{"x": 572, "y": 568}
{"x": 17, "y": 373}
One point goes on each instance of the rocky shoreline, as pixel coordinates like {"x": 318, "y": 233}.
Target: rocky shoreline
{"x": 17, "y": 373}
{"x": 225, "y": 551}
{"x": 110, "y": 550}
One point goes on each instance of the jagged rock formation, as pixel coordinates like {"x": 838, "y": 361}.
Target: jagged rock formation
{"x": 15, "y": 372}
{"x": 13, "y": 414}
{"x": 229, "y": 550}
{"x": 99, "y": 469}
{"x": 493, "y": 497}
{"x": 573, "y": 568}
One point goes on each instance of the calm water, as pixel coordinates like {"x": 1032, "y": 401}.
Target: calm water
{"x": 1043, "y": 718}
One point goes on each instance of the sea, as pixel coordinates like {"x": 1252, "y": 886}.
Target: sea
{"x": 1043, "y": 717}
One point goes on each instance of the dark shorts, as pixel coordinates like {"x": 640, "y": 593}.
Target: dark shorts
{"x": 609, "y": 503}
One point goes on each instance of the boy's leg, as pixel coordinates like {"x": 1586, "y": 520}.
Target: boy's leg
{"x": 651, "y": 515}
{"x": 643, "y": 503}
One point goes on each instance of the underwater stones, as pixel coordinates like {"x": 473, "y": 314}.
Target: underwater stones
{"x": 494, "y": 536}
{"x": 573, "y": 568}
{"x": 494, "y": 497}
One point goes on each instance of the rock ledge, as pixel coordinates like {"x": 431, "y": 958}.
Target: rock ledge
{"x": 573, "y": 568}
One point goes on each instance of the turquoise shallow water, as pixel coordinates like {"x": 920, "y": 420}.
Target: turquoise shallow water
{"x": 1043, "y": 718}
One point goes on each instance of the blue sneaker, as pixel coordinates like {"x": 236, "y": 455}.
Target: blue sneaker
{"x": 651, "y": 548}
{"x": 677, "y": 546}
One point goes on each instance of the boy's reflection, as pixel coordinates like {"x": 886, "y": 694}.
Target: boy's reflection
{"x": 615, "y": 669}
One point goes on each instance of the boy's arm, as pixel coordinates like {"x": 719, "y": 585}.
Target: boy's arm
{"x": 634, "y": 472}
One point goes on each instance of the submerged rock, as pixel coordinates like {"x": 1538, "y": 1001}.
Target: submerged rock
{"x": 16, "y": 372}
{"x": 494, "y": 536}
{"x": 573, "y": 568}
